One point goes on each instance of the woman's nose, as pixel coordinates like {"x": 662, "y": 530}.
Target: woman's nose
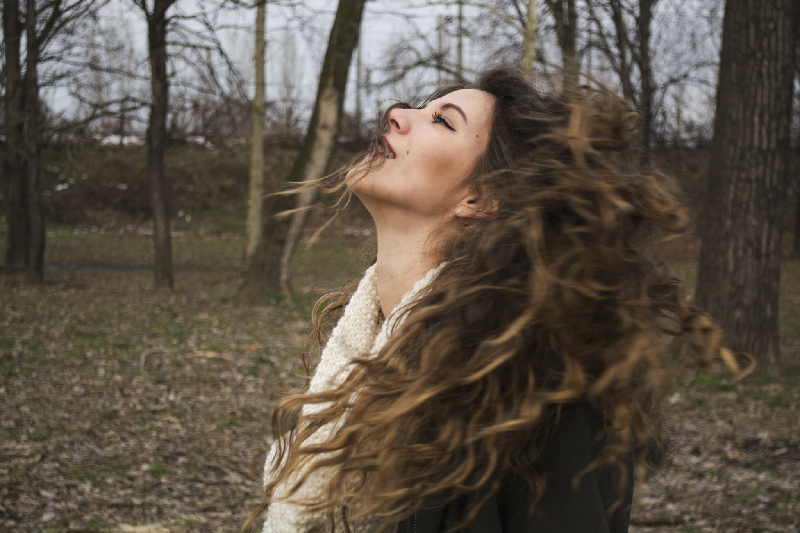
{"x": 400, "y": 119}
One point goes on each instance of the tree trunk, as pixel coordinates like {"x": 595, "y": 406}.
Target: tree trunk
{"x": 623, "y": 46}
{"x": 262, "y": 275}
{"x": 569, "y": 48}
{"x": 566, "y": 18}
{"x": 460, "y": 44}
{"x": 643, "y": 23}
{"x": 281, "y": 235}
{"x": 795, "y": 157}
{"x": 796, "y": 243}
{"x": 14, "y": 162}
{"x": 739, "y": 270}
{"x": 36, "y": 232}
{"x": 255, "y": 199}
{"x": 156, "y": 142}
{"x": 531, "y": 29}
{"x": 122, "y": 121}
{"x": 359, "y": 85}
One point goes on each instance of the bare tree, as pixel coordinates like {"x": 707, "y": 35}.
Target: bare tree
{"x": 655, "y": 48}
{"x": 280, "y": 236}
{"x": 255, "y": 196}
{"x": 157, "y": 23}
{"x": 642, "y": 56}
{"x": 214, "y": 84}
{"x": 33, "y": 149}
{"x": 108, "y": 80}
{"x": 14, "y": 161}
{"x": 796, "y": 152}
{"x": 796, "y": 241}
{"x": 531, "y": 27}
{"x": 739, "y": 270}
{"x": 413, "y": 56}
{"x": 566, "y": 18}
{"x": 284, "y": 109}
{"x": 506, "y": 30}
{"x": 43, "y": 23}
{"x": 629, "y": 51}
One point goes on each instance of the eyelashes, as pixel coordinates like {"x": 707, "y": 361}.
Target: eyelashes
{"x": 438, "y": 118}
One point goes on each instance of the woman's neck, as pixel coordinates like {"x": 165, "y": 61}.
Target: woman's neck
{"x": 405, "y": 255}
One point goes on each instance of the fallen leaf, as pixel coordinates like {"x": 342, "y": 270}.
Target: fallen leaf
{"x": 145, "y": 528}
{"x": 212, "y": 355}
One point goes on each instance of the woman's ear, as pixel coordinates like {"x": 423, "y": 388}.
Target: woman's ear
{"x": 474, "y": 206}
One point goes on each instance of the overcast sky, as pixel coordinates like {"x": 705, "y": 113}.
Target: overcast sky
{"x": 297, "y": 37}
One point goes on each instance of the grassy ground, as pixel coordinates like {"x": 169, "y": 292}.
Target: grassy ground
{"x": 121, "y": 407}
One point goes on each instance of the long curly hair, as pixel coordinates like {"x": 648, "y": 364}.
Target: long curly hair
{"x": 554, "y": 297}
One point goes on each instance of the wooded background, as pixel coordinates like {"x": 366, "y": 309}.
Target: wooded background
{"x": 664, "y": 56}
{"x": 174, "y": 121}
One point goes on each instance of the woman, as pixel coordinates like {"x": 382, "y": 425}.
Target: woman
{"x": 516, "y": 378}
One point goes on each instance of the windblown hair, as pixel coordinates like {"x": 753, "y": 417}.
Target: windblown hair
{"x": 553, "y": 297}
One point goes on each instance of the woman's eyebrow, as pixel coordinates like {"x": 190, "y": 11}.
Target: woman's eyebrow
{"x": 448, "y": 105}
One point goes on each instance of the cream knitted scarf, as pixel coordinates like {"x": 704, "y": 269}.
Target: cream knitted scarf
{"x": 357, "y": 334}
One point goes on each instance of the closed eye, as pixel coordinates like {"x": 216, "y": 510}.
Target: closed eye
{"x": 438, "y": 118}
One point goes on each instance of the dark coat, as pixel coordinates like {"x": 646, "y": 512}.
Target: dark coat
{"x": 561, "y": 509}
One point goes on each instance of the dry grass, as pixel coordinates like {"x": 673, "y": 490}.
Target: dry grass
{"x": 122, "y": 407}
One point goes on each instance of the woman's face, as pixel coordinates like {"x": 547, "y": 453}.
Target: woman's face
{"x": 435, "y": 148}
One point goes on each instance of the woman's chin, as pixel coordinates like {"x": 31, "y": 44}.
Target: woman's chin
{"x": 365, "y": 166}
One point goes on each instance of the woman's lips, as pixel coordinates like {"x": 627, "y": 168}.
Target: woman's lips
{"x": 391, "y": 154}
